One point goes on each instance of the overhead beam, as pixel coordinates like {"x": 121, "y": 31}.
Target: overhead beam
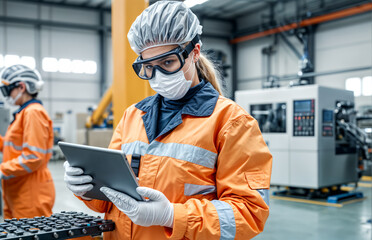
{"x": 61, "y": 4}
{"x": 53, "y": 23}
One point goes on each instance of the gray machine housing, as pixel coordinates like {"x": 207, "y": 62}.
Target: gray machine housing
{"x": 305, "y": 152}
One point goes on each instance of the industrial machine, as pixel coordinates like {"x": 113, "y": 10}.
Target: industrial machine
{"x": 311, "y": 133}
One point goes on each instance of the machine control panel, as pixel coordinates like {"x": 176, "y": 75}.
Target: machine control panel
{"x": 64, "y": 225}
{"x": 327, "y": 123}
{"x": 303, "y": 117}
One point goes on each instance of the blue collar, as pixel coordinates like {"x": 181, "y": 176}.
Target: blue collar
{"x": 23, "y": 106}
{"x": 202, "y": 104}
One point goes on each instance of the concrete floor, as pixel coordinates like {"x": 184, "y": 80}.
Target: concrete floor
{"x": 303, "y": 221}
{"x": 288, "y": 220}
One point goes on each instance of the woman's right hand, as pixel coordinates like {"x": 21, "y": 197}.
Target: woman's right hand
{"x": 76, "y": 181}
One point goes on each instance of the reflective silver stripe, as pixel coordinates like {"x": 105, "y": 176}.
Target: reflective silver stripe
{"x": 28, "y": 157}
{"x": 10, "y": 144}
{"x": 265, "y": 194}
{"x": 36, "y": 149}
{"x": 227, "y": 219}
{"x": 135, "y": 147}
{"x": 23, "y": 165}
{"x": 193, "y": 189}
{"x": 184, "y": 152}
{"x": 7, "y": 177}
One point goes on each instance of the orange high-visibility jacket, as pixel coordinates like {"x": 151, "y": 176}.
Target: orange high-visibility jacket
{"x": 28, "y": 188}
{"x": 214, "y": 169}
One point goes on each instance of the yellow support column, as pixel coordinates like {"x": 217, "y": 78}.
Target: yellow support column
{"x": 127, "y": 87}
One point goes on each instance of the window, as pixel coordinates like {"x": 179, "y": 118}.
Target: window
{"x": 355, "y": 85}
{"x": 28, "y": 61}
{"x": 10, "y": 60}
{"x": 50, "y": 64}
{"x": 65, "y": 65}
{"x": 367, "y": 86}
{"x": 90, "y": 67}
{"x": 78, "y": 66}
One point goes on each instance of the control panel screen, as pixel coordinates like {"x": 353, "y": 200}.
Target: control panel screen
{"x": 302, "y": 106}
{"x": 303, "y": 118}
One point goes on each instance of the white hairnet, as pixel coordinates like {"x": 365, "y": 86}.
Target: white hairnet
{"x": 163, "y": 23}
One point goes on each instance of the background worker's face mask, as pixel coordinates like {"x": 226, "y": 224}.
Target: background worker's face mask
{"x": 172, "y": 86}
{"x": 12, "y": 101}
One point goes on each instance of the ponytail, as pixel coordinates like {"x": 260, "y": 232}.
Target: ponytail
{"x": 208, "y": 72}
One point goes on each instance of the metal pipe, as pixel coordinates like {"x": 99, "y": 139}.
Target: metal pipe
{"x": 313, "y": 74}
{"x": 307, "y": 22}
{"x": 290, "y": 45}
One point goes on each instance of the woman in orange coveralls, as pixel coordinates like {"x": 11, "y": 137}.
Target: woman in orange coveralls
{"x": 204, "y": 167}
{"x": 28, "y": 188}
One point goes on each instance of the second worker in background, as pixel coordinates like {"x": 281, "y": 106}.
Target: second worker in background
{"x": 28, "y": 188}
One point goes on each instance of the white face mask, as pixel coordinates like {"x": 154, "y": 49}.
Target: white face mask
{"x": 12, "y": 101}
{"x": 173, "y": 86}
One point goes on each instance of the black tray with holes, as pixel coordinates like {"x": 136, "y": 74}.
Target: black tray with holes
{"x": 64, "y": 225}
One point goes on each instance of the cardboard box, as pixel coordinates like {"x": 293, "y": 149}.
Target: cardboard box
{"x": 81, "y": 118}
{"x": 99, "y": 137}
{"x": 81, "y": 136}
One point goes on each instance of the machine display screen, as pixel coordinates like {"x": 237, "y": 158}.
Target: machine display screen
{"x": 327, "y": 116}
{"x": 302, "y": 106}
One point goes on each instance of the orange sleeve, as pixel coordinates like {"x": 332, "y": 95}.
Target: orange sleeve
{"x": 99, "y": 205}
{"x": 243, "y": 167}
{"x": 1, "y": 143}
{"x": 36, "y": 145}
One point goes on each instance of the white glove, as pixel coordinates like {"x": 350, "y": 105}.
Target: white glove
{"x": 157, "y": 211}
{"x": 77, "y": 182}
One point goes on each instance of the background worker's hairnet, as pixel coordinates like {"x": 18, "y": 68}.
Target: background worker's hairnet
{"x": 163, "y": 23}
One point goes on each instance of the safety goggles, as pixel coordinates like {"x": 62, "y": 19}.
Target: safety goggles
{"x": 7, "y": 89}
{"x": 168, "y": 63}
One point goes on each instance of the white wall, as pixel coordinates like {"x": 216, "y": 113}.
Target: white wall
{"x": 339, "y": 45}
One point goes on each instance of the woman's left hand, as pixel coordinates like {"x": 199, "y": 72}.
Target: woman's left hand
{"x": 156, "y": 211}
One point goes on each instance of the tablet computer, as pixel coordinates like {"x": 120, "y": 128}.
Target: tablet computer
{"x": 107, "y": 167}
